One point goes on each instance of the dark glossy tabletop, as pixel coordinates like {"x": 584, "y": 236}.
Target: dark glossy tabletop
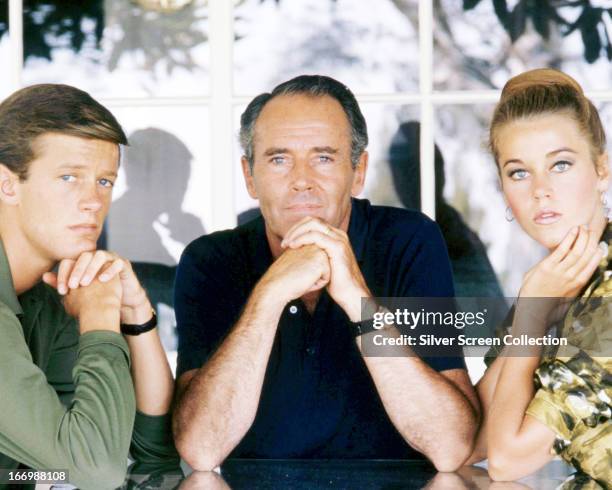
{"x": 342, "y": 474}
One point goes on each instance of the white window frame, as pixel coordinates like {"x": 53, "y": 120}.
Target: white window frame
{"x": 220, "y": 213}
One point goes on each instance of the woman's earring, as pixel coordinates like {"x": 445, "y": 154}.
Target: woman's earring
{"x": 509, "y": 216}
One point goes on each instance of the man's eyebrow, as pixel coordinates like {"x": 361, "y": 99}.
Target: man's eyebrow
{"x": 73, "y": 166}
{"x": 275, "y": 151}
{"x": 325, "y": 149}
{"x": 554, "y": 152}
{"x": 78, "y": 166}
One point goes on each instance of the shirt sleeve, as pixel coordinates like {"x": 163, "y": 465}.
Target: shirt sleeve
{"x": 62, "y": 359}
{"x": 152, "y": 441}
{"x": 425, "y": 272}
{"x": 573, "y": 400}
{"x": 89, "y": 438}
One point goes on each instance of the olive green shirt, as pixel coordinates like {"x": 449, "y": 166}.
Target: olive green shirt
{"x": 67, "y": 400}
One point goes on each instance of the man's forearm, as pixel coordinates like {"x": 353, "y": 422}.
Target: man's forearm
{"x": 428, "y": 410}
{"x": 220, "y": 402}
{"x": 153, "y": 382}
{"x": 151, "y": 372}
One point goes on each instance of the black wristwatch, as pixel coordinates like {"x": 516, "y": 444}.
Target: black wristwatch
{"x": 128, "y": 329}
{"x": 366, "y": 326}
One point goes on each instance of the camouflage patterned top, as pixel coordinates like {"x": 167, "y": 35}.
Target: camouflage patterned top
{"x": 574, "y": 384}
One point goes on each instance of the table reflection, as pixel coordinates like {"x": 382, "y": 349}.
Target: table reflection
{"x": 363, "y": 474}
{"x": 209, "y": 480}
{"x": 240, "y": 474}
{"x": 159, "y": 477}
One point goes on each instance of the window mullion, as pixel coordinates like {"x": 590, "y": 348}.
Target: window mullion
{"x": 221, "y": 212}
{"x": 428, "y": 200}
{"x": 16, "y": 43}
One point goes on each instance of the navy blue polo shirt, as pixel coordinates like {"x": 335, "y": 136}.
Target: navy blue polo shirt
{"x": 318, "y": 399}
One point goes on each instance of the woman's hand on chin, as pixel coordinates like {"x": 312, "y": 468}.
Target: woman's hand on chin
{"x": 567, "y": 269}
{"x": 561, "y": 275}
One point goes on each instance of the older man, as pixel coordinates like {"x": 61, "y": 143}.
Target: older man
{"x": 269, "y": 359}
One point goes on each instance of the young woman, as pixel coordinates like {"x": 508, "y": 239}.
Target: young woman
{"x": 550, "y": 149}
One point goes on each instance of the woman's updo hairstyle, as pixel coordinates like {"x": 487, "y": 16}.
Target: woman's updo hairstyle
{"x": 547, "y": 91}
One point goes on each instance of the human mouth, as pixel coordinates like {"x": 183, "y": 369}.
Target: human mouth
{"x": 303, "y": 207}
{"x": 84, "y": 228}
{"x": 546, "y": 217}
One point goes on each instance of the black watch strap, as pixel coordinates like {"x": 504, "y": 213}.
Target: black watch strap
{"x": 128, "y": 329}
{"x": 365, "y": 326}
{"x": 362, "y": 327}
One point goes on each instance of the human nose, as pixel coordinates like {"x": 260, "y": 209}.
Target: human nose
{"x": 542, "y": 187}
{"x": 301, "y": 176}
{"x": 90, "y": 198}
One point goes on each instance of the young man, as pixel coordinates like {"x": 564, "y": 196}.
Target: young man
{"x": 70, "y": 398}
{"x": 268, "y": 363}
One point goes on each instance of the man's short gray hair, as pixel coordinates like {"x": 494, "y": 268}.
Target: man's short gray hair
{"x": 315, "y": 86}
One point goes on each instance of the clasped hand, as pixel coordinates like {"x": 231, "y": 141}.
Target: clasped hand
{"x": 100, "y": 278}
{"x": 312, "y": 241}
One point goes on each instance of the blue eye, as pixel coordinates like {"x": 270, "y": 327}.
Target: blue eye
{"x": 562, "y": 166}
{"x": 278, "y": 160}
{"x": 518, "y": 174}
{"x": 106, "y": 182}
{"x": 68, "y": 178}
{"x": 325, "y": 159}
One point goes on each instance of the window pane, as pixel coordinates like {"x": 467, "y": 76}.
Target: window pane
{"x": 5, "y": 55}
{"x": 461, "y": 137}
{"x": 384, "y": 121}
{"x": 474, "y": 51}
{"x": 116, "y": 48}
{"x": 369, "y": 49}
{"x": 160, "y": 197}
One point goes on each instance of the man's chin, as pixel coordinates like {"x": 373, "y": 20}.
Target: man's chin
{"x": 74, "y": 251}
{"x": 294, "y": 216}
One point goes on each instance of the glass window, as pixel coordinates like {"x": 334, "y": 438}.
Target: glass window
{"x": 5, "y": 55}
{"x": 118, "y": 48}
{"x": 369, "y": 49}
{"x": 473, "y": 50}
{"x": 160, "y": 199}
{"x": 461, "y": 136}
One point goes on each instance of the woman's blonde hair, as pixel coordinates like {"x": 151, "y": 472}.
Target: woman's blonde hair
{"x": 547, "y": 91}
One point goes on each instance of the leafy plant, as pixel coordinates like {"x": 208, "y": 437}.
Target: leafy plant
{"x": 590, "y": 21}
{"x": 48, "y": 24}
{"x": 61, "y": 19}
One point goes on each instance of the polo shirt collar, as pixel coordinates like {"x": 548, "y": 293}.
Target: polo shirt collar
{"x": 7, "y": 290}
